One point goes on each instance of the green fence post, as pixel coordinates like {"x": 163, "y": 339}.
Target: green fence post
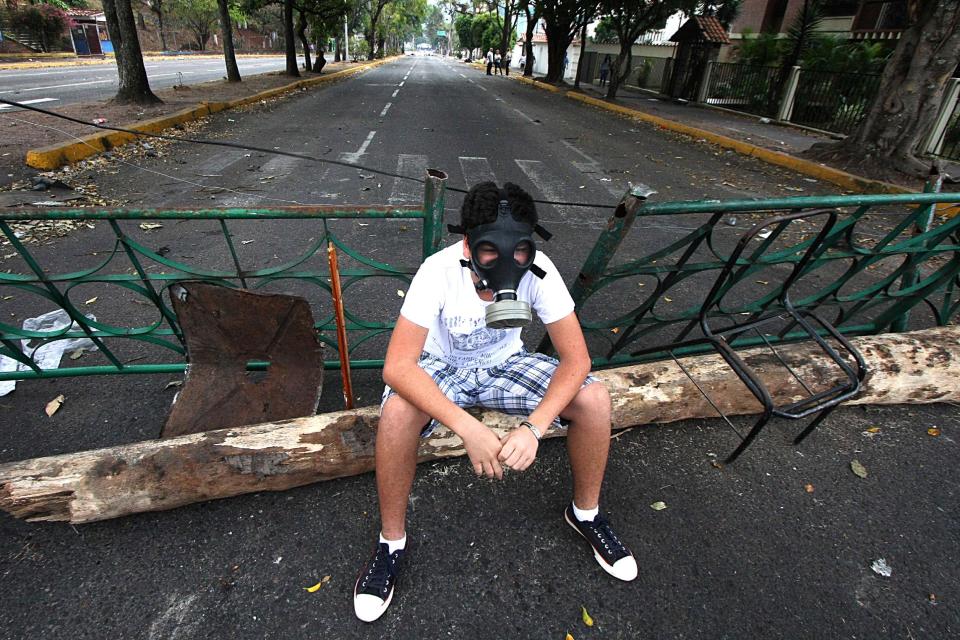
{"x": 605, "y": 247}
{"x": 923, "y": 221}
{"x": 434, "y": 200}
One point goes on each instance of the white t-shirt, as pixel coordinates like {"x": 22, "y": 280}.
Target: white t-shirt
{"x": 442, "y": 298}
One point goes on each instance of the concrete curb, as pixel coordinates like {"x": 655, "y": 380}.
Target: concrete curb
{"x": 840, "y": 178}
{"x": 56, "y": 156}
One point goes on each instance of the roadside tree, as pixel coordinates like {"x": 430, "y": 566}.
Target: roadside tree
{"x": 563, "y": 19}
{"x": 889, "y": 140}
{"x": 627, "y": 20}
{"x": 532, "y": 12}
{"x": 134, "y": 86}
{"x": 199, "y": 17}
{"x": 229, "y": 55}
{"x": 157, "y": 7}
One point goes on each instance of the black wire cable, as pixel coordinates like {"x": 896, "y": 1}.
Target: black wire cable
{"x": 290, "y": 154}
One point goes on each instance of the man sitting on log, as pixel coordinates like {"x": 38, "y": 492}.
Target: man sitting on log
{"x": 457, "y": 344}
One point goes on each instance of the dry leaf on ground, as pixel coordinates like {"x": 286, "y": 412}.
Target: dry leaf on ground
{"x": 659, "y": 505}
{"x": 858, "y": 469}
{"x": 54, "y": 405}
{"x": 933, "y": 431}
{"x": 808, "y": 488}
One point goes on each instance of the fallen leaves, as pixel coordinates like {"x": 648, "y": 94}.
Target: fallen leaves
{"x": 173, "y": 383}
{"x": 317, "y": 586}
{"x": 54, "y": 405}
{"x": 659, "y": 505}
{"x": 91, "y": 300}
{"x": 933, "y": 431}
{"x": 587, "y": 620}
{"x": 858, "y": 469}
{"x": 808, "y": 488}
{"x": 149, "y": 226}
{"x": 568, "y": 637}
{"x": 400, "y": 293}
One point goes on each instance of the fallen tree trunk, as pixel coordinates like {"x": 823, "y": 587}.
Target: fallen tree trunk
{"x": 917, "y": 367}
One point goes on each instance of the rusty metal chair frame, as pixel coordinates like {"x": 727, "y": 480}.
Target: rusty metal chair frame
{"x": 722, "y": 339}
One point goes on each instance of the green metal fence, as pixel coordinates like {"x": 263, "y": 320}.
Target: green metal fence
{"x": 143, "y": 273}
{"x": 888, "y": 257}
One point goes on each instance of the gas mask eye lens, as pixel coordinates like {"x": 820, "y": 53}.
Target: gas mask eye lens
{"x": 523, "y": 254}
{"x": 487, "y": 254}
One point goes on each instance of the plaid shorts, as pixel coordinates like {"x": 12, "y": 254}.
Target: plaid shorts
{"x": 514, "y": 387}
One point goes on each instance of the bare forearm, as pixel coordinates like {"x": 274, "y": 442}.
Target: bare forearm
{"x": 563, "y": 387}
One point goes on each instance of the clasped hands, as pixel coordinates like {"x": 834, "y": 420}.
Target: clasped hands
{"x": 490, "y": 454}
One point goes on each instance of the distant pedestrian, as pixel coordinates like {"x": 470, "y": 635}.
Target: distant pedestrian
{"x": 498, "y": 62}
{"x": 489, "y": 61}
{"x": 604, "y": 70}
{"x": 506, "y": 62}
{"x": 523, "y": 62}
{"x": 566, "y": 61}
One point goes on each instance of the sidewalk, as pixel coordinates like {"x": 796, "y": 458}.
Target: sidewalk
{"x": 769, "y": 135}
{"x": 744, "y": 133}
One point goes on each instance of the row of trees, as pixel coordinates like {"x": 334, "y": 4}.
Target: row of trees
{"x": 311, "y": 24}
{"x": 888, "y": 140}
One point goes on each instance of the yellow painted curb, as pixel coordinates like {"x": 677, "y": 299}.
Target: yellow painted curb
{"x": 840, "y": 178}
{"x": 58, "y": 155}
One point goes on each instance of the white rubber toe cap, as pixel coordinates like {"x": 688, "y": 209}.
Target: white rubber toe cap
{"x": 624, "y": 569}
{"x": 368, "y": 608}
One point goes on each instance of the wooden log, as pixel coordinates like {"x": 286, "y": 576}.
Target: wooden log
{"x": 918, "y": 367}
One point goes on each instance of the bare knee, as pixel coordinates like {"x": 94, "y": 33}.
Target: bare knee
{"x": 400, "y": 417}
{"x": 592, "y": 403}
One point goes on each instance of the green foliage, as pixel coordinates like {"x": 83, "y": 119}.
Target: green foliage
{"x": 487, "y": 29}
{"x": 606, "y": 32}
{"x": 44, "y": 22}
{"x": 828, "y": 53}
{"x": 763, "y": 50}
{"x": 464, "y": 27}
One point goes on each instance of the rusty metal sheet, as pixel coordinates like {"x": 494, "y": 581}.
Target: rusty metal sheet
{"x": 226, "y": 328}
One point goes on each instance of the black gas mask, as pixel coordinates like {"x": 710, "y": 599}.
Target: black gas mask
{"x": 501, "y": 253}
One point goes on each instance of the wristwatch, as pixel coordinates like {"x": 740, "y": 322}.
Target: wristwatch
{"x": 529, "y": 425}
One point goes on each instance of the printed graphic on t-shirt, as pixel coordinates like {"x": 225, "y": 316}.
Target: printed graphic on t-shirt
{"x": 482, "y": 338}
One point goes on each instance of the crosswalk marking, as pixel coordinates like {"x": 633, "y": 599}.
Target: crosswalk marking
{"x": 38, "y": 101}
{"x": 354, "y": 157}
{"x": 476, "y": 170}
{"x": 549, "y": 184}
{"x": 408, "y": 191}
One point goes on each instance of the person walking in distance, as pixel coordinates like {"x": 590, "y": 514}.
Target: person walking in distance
{"x": 604, "y": 69}
{"x": 457, "y": 344}
{"x": 489, "y": 61}
{"x": 498, "y": 62}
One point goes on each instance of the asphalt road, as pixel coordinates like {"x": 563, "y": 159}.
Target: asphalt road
{"x": 53, "y": 86}
{"x": 742, "y": 552}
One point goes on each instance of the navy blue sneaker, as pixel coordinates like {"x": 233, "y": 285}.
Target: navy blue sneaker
{"x": 611, "y": 554}
{"x": 374, "y": 589}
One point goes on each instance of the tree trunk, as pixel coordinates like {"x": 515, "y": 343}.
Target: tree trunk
{"x": 919, "y": 367}
{"x": 557, "y": 44}
{"x": 163, "y": 38}
{"x": 290, "y": 45}
{"x": 528, "y": 40}
{"x": 134, "y": 86}
{"x": 890, "y": 137}
{"x": 580, "y": 61}
{"x": 338, "y": 52}
{"x": 304, "y": 43}
{"x": 620, "y": 71}
{"x": 229, "y": 55}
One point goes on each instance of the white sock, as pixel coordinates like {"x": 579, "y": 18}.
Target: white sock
{"x": 585, "y": 515}
{"x": 393, "y": 545}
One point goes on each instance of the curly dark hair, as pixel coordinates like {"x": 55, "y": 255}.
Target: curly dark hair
{"x": 481, "y": 202}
